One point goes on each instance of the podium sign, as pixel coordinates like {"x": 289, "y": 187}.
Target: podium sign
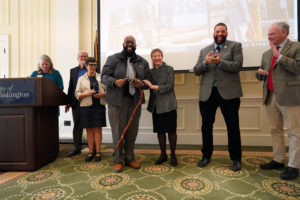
{"x": 29, "y": 122}
{"x": 17, "y": 92}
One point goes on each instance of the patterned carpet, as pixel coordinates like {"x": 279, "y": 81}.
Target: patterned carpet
{"x": 73, "y": 178}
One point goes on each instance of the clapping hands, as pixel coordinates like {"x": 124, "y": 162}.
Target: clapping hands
{"x": 213, "y": 59}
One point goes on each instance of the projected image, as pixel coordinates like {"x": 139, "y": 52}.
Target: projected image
{"x": 182, "y": 27}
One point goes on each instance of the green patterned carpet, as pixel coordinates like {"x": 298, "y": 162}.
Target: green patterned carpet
{"x": 73, "y": 178}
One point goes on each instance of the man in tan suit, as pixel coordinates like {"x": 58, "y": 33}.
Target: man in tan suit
{"x": 220, "y": 64}
{"x": 280, "y": 71}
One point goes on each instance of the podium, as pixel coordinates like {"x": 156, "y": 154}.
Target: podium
{"x": 29, "y": 110}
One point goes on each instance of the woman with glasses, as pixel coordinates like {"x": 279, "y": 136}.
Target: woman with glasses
{"x": 91, "y": 92}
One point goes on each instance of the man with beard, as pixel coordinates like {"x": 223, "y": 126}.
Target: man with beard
{"x": 75, "y": 73}
{"x": 123, "y": 73}
{"x": 220, "y": 64}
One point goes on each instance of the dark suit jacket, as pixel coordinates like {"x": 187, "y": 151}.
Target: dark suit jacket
{"x": 72, "y": 86}
{"x": 115, "y": 68}
{"x": 285, "y": 74}
{"x": 226, "y": 77}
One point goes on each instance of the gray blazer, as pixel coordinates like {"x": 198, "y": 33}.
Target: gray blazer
{"x": 164, "y": 98}
{"x": 285, "y": 74}
{"x": 226, "y": 76}
{"x": 115, "y": 68}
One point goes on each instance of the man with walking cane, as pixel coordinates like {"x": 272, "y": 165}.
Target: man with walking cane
{"x": 123, "y": 74}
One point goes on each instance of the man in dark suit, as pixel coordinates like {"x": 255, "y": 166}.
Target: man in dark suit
{"x": 220, "y": 64}
{"x": 280, "y": 71}
{"x": 75, "y": 73}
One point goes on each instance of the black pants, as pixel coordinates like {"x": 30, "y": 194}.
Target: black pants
{"x": 230, "y": 111}
{"x": 77, "y": 130}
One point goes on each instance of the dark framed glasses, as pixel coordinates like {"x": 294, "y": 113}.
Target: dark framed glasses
{"x": 92, "y": 65}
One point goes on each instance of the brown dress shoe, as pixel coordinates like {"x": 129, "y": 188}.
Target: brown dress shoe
{"x": 133, "y": 165}
{"x": 118, "y": 167}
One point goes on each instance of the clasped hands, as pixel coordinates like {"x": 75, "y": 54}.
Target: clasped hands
{"x": 212, "y": 59}
{"x": 121, "y": 82}
{"x": 95, "y": 94}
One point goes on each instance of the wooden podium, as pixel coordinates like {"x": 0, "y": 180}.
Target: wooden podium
{"x": 29, "y": 109}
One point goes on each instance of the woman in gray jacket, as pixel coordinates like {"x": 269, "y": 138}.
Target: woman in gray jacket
{"x": 163, "y": 105}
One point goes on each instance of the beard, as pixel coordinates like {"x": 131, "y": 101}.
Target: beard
{"x": 129, "y": 53}
{"x": 223, "y": 39}
{"x": 82, "y": 63}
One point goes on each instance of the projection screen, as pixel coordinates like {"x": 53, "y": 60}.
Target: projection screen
{"x": 181, "y": 28}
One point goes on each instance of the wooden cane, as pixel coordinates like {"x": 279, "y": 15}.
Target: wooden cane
{"x": 129, "y": 122}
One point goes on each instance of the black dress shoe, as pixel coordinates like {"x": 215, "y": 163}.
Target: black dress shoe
{"x": 235, "y": 165}
{"x": 97, "y": 158}
{"x": 290, "y": 173}
{"x": 162, "y": 158}
{"x": 173, "y": 161}
{"x": 203, "y": 162}
{"x": 272, "y": 165}
{"x": 89, "y": 157}
{"x": 74, "y": 152}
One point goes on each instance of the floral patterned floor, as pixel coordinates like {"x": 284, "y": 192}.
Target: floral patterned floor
{"x": 73, "y": 178}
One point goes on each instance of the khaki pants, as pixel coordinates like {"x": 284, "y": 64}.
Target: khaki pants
{"x": 278, "y": 116}
{"x": 118, "y": 119}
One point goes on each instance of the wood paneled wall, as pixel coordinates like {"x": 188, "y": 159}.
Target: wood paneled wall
{"x": 30, "y": 26}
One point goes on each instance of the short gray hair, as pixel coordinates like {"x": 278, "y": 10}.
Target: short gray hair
{"x": 283, "y": 26}
{"x": 81, "y": 51}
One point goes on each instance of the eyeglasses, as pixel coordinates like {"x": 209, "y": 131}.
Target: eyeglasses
{"x": 92, "y": 65}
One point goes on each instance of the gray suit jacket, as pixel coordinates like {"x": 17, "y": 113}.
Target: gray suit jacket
{"x": 226, "y": 76}
{"x": 285, "y": 74}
